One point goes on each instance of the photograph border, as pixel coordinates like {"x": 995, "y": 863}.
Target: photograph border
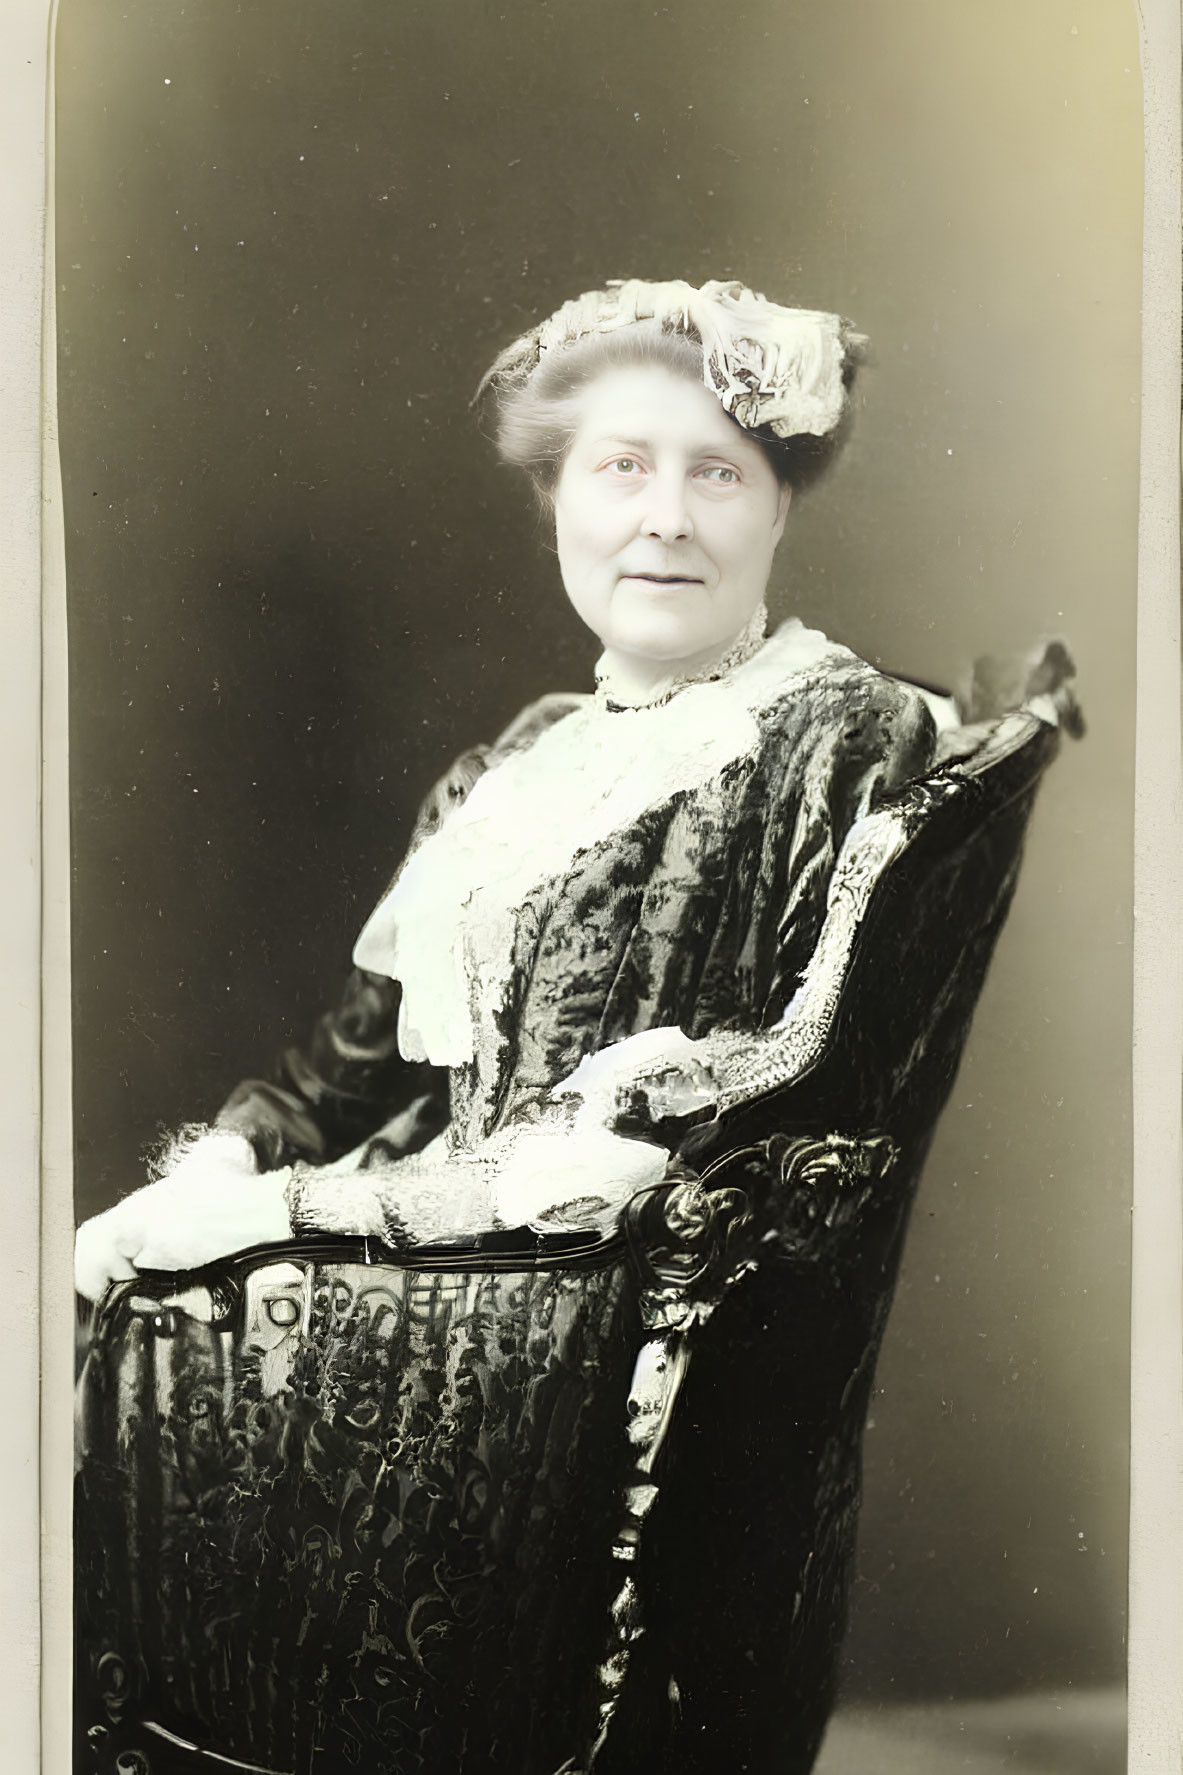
{"x": 38, "y": 1222}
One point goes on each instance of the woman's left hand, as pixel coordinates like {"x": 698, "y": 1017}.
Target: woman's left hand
{"x": 659, "y": 1075}
{"x": 679, "y": 1091}
{"x": 571, "y": 1176}
{"x": 212, "y": 1204}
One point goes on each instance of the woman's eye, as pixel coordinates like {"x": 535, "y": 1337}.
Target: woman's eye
{"x": 624, "y": 465}
{"x": 723, "y": 477}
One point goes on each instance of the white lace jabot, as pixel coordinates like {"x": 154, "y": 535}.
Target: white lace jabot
{"x": 446, "y": 928}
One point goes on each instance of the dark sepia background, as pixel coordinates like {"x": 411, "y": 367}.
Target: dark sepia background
{"x": 291, "y": 235}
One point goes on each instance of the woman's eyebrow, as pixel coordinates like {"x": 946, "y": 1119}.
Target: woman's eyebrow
{"x": 695, "y": 450}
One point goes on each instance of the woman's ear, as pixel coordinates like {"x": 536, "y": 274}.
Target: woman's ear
{"x": 782, "y": 511}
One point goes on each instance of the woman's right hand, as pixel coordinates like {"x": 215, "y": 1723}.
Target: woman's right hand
{"x": 211, "y": 1203}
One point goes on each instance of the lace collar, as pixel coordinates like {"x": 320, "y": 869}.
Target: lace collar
{"x": 746, "y": 645}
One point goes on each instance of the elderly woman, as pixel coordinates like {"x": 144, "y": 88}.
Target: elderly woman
{"x": 598, "y": 946}
{"x": 612, "y": 904}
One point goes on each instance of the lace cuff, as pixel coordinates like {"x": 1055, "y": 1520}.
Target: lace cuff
{"x": 560, "y": 1173}
{"x": 410, "y": 1201}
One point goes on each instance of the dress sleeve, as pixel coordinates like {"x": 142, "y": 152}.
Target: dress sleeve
{"x": 883, "y": 736}
{"x": 888, "y": 741}
{"x": 344, "y": 1083}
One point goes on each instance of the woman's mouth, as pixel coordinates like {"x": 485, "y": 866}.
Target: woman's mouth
{"x": 669, "y": 582}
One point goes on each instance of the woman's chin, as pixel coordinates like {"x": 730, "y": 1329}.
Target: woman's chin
{"x": 664, "y": 637}
{"x": 670, "y": 653}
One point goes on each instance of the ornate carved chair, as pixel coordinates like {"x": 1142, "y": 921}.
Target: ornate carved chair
{"x": 550, "y": 1503}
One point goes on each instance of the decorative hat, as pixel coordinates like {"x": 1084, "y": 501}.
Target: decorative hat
{"x": 771, "y": 367}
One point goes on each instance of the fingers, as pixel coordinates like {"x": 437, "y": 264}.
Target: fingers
{"x": 101, "y": 1256}
{"x": 678, "y": 1090}
{"x": 215, "y": 1207}
{"x": 180, "y": 1224}
{"x": 163, "y": 1257}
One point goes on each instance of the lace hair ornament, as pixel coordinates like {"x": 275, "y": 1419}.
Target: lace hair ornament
{"x": 771, "y": 367}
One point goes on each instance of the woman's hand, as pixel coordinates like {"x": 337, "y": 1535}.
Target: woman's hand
{"x": 582, "y": 1172}
{"x": 637, "y": 1084}
{"x": 211, "y": 1203}
{"x": 680, "y": 1091}
{"x": 573, "y": 1176}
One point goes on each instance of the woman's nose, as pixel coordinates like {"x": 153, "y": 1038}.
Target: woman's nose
{"x": 667, "y": 514}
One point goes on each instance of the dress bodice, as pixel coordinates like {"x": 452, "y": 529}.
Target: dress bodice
{"x": 633, "y": 867}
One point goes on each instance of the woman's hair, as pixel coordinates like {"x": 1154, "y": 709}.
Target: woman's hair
{"x": 536, "y": 413}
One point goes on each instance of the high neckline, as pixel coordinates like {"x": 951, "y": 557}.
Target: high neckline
{"x": 746, "y": 645}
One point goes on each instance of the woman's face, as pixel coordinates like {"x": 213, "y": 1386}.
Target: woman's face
{"x": 667, "y": 516}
